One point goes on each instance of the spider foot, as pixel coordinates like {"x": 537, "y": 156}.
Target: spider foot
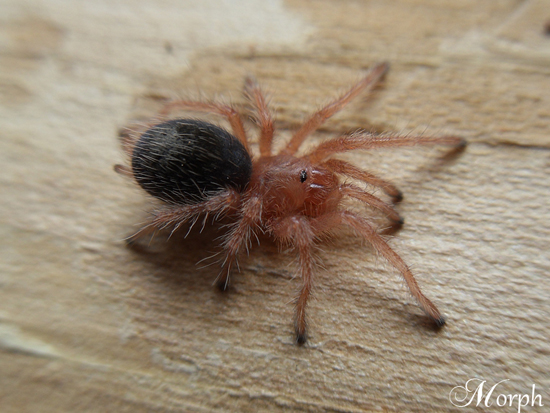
{"x": 397, "y": 197}
{"x": 222, "y": 285}
{"x": 397, "y": 223}
{"x": 462, "y": 143}
{"x": 222, "y": 282}
{"x": 440, "y": 322}
{"x": 300, "y": 328}
{"x": 301, "y": 337}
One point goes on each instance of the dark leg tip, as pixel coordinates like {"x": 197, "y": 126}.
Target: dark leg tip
{"x": 222, "y": 285}
{"x": 395, "y": 225}
{"x": 385, "y": 66}
{"x": 301, "y": 339}
{"x": 397, "y": 197}
{"x": 440, "y": 322}
{"x": 398, "y": 223}
{"x": 458, "y": 148}
{"x": 301, "y": 333}
{"x": 123, "y": 133}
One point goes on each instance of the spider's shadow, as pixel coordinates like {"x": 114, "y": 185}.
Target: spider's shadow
{"x": 405, "y": 314}
{"x": 440, "y": 163}
{"x": 185, "y": 260}
{"x": 190, "y": 258}
{"x": 184, "y": 263}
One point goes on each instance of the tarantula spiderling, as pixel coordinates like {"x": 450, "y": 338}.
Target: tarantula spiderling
{"x": 199, "y": 169}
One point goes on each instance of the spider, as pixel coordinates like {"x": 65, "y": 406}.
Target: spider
{"x": 199, "y": 169}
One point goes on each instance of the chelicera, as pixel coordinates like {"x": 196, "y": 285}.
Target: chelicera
{"x": 199, "y": 169}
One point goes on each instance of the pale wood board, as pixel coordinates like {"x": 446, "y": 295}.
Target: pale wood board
{"x": 88, "y": 325}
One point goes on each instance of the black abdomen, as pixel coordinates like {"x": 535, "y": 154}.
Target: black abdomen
{"x": 185, "y": 161}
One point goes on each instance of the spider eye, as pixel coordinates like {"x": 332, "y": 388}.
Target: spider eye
{"x": 303, "y": 176}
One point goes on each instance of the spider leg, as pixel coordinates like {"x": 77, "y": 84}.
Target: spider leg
{"x": 297, "y": 231}
{"x": 319, "y": 117}
{"x": 263, "y": 116}
{"x": 366, "y": 140}
{"x": 345, "y": 168}
{"x": 230, "y": 113}
{"x": 129, "y": 135}
{"x": 371, "y": 200}
{"x": 328, "y": 221}
{"x": 124, "y": 170}
{"x": 238, "y": 237}
{"x": 172, "y": 216}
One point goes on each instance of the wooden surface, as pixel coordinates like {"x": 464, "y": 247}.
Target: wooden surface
{"x": 88, "y": 325}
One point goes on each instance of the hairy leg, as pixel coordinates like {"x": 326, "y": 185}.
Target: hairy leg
{"x": 366, "y": 140}
{"x": 263, "y": 115}
{"x": 239, "y": 236}
{"x": 296, "y": 230}
{"x": 347, "y": 169}
{"x": 231, "y": 114}
{"x": 371, "y": 200}
{"x": 175, "y": 215}
{"x": 361, "y": 226}
{"x": 319, "y": 117}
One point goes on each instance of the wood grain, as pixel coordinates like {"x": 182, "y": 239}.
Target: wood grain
{"x": 88, "y": 325}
